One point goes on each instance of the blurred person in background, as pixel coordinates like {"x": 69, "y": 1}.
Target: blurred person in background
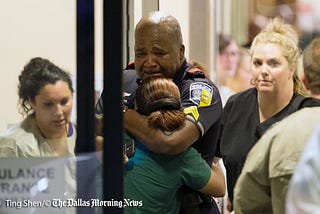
{"x": 255, "y": 25}
{"x": 199, "y": 66}
{"x": 227, "y": 62}
{"x": 240, "y": 81}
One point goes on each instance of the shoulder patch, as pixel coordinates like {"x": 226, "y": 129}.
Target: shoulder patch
{"x": 193, "y": 111}
{"x": 201, "y": 94}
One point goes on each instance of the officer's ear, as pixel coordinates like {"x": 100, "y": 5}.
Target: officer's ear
{"x": 182, "y": 49}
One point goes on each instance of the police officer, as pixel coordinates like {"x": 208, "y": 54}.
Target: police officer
{"x": 159, "y": 50}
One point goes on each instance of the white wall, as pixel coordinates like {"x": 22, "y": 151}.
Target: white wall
{"x": 31, "y": 28}
{"x": 180, "y": 10}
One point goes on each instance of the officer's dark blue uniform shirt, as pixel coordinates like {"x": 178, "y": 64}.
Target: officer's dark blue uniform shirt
{"x": 200, "y": 100}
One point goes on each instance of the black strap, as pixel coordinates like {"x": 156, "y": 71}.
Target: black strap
{"x": 309, "y": 102}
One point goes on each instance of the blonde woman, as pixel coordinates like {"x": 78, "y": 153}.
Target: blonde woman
{"x": 277, "y": 92}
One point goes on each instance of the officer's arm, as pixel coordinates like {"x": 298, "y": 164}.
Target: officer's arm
{"x": 156, "y": 140}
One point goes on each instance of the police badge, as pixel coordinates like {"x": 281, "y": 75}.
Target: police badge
{"x": 201, "y": 94}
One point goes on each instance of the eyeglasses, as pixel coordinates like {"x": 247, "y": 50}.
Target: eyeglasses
{"x": 229, "y": 54}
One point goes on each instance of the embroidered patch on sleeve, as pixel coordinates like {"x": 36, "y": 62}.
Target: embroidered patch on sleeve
{"x": 193, "y": 111}
{"x": 201, "y": 94}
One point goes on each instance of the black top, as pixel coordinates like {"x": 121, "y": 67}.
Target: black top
{"x": 200, "y": 99}
{"x": 241, "y": 129}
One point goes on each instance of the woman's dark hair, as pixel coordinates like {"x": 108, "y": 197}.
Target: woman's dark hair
{"x": 224, "y": 41}
{"x": 159, "y": 98}
{"x": 37, "y": 73}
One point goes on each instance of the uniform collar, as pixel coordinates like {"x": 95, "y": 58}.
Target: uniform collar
{"x": 181, "y": 72}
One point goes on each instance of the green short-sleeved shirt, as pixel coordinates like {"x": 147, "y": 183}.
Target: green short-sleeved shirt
{"x": 154, "y": 182}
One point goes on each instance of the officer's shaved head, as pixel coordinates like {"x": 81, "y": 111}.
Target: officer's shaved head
{"x": 163, "y": 20}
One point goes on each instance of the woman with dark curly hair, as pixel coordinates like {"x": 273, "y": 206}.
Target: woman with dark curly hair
{"x": 45, "y": 97}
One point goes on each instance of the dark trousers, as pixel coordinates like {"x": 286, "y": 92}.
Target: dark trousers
{"x": 198, "y": 203}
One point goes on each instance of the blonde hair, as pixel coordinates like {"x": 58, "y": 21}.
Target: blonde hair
{"x": 284, "y": 35}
